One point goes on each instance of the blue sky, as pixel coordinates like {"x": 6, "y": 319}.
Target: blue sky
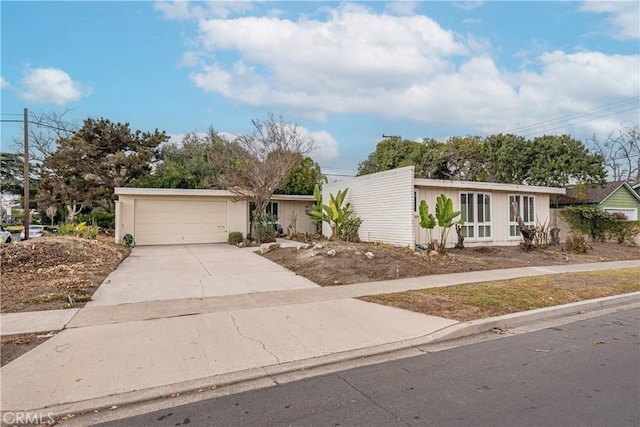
{"x": 345, "y": 72}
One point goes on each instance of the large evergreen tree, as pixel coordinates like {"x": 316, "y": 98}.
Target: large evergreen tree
{"x": 86, "y": 167}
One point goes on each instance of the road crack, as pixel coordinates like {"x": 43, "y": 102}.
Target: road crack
{"x": 397, "y": 417}
{"x": 264, "y": 347}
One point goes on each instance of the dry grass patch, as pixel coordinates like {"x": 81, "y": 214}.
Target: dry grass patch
{"x": 488, "y": 299}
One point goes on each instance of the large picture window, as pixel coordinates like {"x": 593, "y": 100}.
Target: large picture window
{"x": 272, "y": 208}
{"x": 526, "y": 207}
{"x": 475, "y": 211}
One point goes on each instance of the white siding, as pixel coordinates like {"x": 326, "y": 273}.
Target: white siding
{"x": 286, "y": 209}
{"x": 384, "y": 201}
{"x": 500, "y": 209}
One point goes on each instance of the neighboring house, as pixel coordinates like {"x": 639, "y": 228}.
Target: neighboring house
{"x": 636, "y": 187}
{"x": 158, "y": 216}
{"x": 616, "y": 196}
{"x": 387, "y": 202}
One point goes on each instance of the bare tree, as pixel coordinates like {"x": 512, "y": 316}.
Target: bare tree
{"x": 254, "y": 166}
{"x": 621, "y": 152}
{"x": 45, "y": 130}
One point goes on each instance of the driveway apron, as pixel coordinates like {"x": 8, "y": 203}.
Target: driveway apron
{"x": 152, "y": 273}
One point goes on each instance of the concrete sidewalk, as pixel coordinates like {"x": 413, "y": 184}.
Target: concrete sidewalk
{"x": 111, "y": 355}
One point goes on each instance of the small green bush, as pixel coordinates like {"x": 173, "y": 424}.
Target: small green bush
{"x": 350, "y": 228}
{"x": 576, "y": 243}
{"x": 235, "y": 238}
{"x": 265, "y": 229}
{"x": 78, "y": 230}
{"x": 128, "y": 240}
{"x": 99, "y": 217}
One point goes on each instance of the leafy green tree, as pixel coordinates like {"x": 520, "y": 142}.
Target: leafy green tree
{"x": 302, "y": 178}
{"x": 555, "y": 161}
{"x": 464, "y": 158}
{"x": 86, "y": 167}
{"x": 186, "y": 165}
{"x": 12, "y": 176}
{"x": 506, "y": 158}
{"x": 390, "y": 153}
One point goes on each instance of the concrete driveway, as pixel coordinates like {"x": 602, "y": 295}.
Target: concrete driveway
{"x": 153, "y": 273}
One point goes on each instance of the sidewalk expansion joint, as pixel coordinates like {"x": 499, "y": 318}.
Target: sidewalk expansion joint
{"x": 396, "y": 416}
{"x": 264, "y": 347}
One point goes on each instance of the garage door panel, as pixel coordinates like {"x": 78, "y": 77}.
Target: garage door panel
{"x": 180, "y": 222}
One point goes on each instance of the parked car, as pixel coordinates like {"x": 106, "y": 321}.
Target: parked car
{"x": 36, "y": 231}
{"x": 5, "y": 236}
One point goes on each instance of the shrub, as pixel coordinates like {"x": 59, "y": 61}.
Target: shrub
{"x": 99, "y": 217}
{"x": 128, "y": 240}
{"x": 235, "y": 238}
{"x": 265, "y": 229}
{"x": 78, "y": 230}
{"x": 350, "y": 228}
{"x": 596, "y": 223}
{"x": 623, "y": 230}
{"x": 576, "y": 243}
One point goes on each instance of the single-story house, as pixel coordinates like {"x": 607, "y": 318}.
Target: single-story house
{"x": 613, "y": 197}
{"x": 162, "y": 216}
{"x": 388, "y": 204}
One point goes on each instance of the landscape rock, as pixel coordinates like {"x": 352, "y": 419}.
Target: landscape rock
{"x": 266, "y": 247}
{"x": 331, "y": 252}
{"x": 318, "y": 246}
{"x": 369, "y": 255}
{"x": 299, "y": 247}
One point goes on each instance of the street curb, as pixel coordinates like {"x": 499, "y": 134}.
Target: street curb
{"x": 269, "y": 375}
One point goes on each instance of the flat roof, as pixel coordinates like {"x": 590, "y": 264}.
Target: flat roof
{"x": 133, "y": 191}
{"x": 519, "y": 188}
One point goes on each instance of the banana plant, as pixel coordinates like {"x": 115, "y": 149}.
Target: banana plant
{"x": 445, "y": 216}
{"x": 339, "y": 214}
{"x": 317, "y": 213}
{"x": 428, "y": 222}
{"x": 333, "y": 214}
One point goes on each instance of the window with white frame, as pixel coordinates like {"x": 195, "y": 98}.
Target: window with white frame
{"x": 272, "y": 208}
{"x": 475, "y": 211}
{"x": 526, "y": 207}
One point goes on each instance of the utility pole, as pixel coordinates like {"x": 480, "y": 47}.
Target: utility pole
{"x": 25, "y": 216}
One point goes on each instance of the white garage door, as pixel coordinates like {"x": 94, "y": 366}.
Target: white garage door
{"x": 164, "y": 222}
{"x": 631, "y": 214}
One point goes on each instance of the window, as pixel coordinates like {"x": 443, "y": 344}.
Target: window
{"x": 272, "y": 208}
{"x": 475, "y": 211}
{"x": 526, "y": 207}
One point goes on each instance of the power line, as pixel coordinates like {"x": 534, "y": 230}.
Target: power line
{"x": 566, "y": 120}
{"x": 52, "y": 127}
{"x": 579, "y": 122}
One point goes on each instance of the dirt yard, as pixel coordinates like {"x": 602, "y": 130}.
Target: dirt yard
{"x": 41, "y": 274}
{"x": 350, "y": 264}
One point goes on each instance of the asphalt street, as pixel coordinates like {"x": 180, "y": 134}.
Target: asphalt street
{"x": 585, "y": 373}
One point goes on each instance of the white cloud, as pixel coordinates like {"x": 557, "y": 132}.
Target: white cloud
{"x": 402, "y": 7}
{"x": 409, "y": 68}
{"x": 326, "y": 147}
{"x": 182, "y": 9}
{"x": 624, "y": 17}
{"x": 467, "y": 5}
{"x": 3, "y": 83}
{"x": 51, "y": 86}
